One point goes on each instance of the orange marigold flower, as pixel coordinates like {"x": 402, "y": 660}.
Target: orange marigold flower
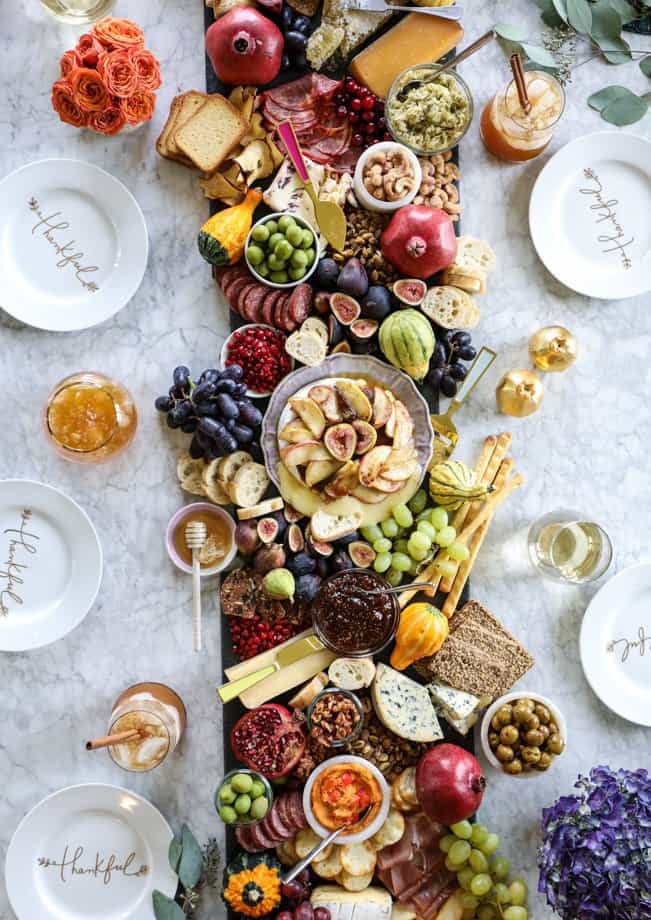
{"x": 89, "y": 90}
{"x": 109, "y": 121}
{"x": 119, "y": 33}
{"x": 119, "y": 73}
{"x": 68, "y": 62}
{"x": 89, "y": 50}
{"x": 147, "y": 67}
{"x": 63, "y": 102}
{"x": 139, "y": 107}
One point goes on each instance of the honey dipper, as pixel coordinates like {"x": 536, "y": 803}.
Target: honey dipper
{"x": 195, "y": 537}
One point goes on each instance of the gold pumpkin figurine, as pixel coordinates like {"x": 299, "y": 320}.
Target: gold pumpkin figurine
{"x": 553, "y": 348}
{"x": 519, "y": 393}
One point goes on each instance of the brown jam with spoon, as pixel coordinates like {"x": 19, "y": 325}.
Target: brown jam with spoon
{"x": 350, "y": 618}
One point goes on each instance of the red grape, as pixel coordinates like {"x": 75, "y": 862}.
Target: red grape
{"x": 304, "y": 911}
{"x": 321, "y": 913}
{"x": 293, "y": 889}
{"x": 285, "y": 915}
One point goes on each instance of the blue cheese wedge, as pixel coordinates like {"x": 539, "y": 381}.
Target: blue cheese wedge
{"x": 462, "y": 726}
{"x": 404, "y": 707}
{"x": 371, "y": 904}
{"x": 456, "y": 703}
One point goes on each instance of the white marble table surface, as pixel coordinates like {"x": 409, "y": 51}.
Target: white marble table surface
{"x": 587, "y": 447}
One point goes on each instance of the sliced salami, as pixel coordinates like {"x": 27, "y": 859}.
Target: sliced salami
{"x": 232, "y": 292}
{"x": 267, "y": 308}
{"x": 300, "y": 303}
{"x": 278, "y": 310}
{"x": 281, "y": 804}
{"x": 260, "y": 838}
{"x": 238, "y": 305}
{"x": 295, "y": 809}
{"x": 277, "y": 825}
{"x": 243, "y": 837}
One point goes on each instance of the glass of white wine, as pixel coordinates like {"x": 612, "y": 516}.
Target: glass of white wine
{"x": 78, "y": 12}
{"x": 565, "y": 547}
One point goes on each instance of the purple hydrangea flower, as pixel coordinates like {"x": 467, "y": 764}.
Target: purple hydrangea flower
{"x": 595, "y": 859}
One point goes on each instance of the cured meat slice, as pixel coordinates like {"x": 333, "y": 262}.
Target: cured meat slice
{"x": 295, "y": 809}
{"x": 280, "y": 311}
{"x": 232, "y": 292}
{"x": 238, "y": 305}
{"x": 244, "y": 839}
{"x": 302, "y": 119}
{"x": 304, "y": 92}
{"x": 300, "y": 303}
{"x": 397, "y": 853}
{"x": 281, "y": 805}
{"x": 346, "y": 161}
{"x": 429, "y": 899}
{"x": 267, "y": 307}
{"x": 276, "y": 824}
{"x": 253, "y": 303}
{"x": 261, "y": 837}
{"x": 229, "y": 275}
{"x": 425, "y": 834}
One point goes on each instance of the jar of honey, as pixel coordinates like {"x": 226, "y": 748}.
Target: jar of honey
{"x": 219, "y": 549}
{"x": 90, "y": 418}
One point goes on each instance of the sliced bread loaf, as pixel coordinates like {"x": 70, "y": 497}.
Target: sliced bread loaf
{"x": 475, "y": 255}
{"x": 211, "y": 133}
{"x": 450, "y": 307}
{"x": 327, "y": 528}
{"x": 189, "y": 104}
{"x": 248, "y": 485}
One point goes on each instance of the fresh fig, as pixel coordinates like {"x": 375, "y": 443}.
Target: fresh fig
{"x": 340, "y": 441}
{"x": 279, "y": 584}
{"x": 341, "y": 561}
{"x": 307, "y": 588}
{"x": 366, "y": 436}
{"x": 410, "y": 291}
{"x": 268, "y": 529}
{"x": 302, "y": 564}
{"x": 335, "y": 332}
{"x": 353, "y": 279}
{"x": 377, "y": 303}
{"x": 320, "y": 548}
{"x": 292, "y": 515}
{"x": 342, "y": 348}
{"x": 322, "y": 302}
{"x": 268, "y": 558}
{"x": 323, "y": 566}
{"x": 282, "y": 524}
{"x": 294, "y": 539}
{"x": 349, "y": 538}
{"x": 345, "y": 308}
{"x": 246, "y": 537}
{"x": 327, "y": 274}
{"x": 368, "y": 347}
{"x": 362, "y": 330}
{"x": 361, "y": 554}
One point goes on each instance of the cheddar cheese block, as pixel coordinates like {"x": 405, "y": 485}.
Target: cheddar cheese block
{"x": 416, "y": 39}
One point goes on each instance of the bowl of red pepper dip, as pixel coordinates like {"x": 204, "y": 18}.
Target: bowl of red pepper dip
{"x": 338, "y": 792}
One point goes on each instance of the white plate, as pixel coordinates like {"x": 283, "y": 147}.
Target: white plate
{"x": 589, "y": 215}
{"x": 50, "y": 564}
{"x": 615, "y": 644}
{"x": 73, "y": 245}
{"x": 60, "y": 857}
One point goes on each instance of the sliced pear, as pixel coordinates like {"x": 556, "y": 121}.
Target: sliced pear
{"x": 295, "y": 432}
{"x": 403, "y": 428}
{"x": 386, "y": 486}
{"x": 404, "y": 454}
{"x": 320, "y": 393}
{"x": 295, "y": 472}
{"x": 382, "y": 407}
{"x": 371, "y": 464}
{"x": 344, "y": 481}
{"x": 328, "y": 402}
{"x": 310, "y": 413}
{"x": 366, "y": 436}
{"x": 391, "y": 421}
{"x": 304, "y": 453}
{"x": 400, "y": 471}
{"x": 355, "y": 399}
{"x": 367, "y": 496}
{"x": 318, "y": 470}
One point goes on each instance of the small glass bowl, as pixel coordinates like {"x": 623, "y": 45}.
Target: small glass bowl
{"x": 243, "y": 821}
{"x": 335, "y": 691}
{"x": 420, "y": 71}
{"x": 289, "y": 284}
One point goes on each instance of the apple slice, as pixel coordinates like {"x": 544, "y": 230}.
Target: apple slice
{"x": 318, "y": 470}
{"x": 367, "y": 496}
{"x": 366, "y": 436}
{"x": 328, "y": 402}
{"x": 371, "y": 464}
{"x": 311, "y": 415}
{"x": 404, "y": 454}
{"x": 404, "y": 427}
{"x": 295, "y": 472}
{"x": 381, "y": 408}
{"x": 344, "y": 481}
{"x": 391, "y": 421}
{"x": 386, "y": 486}
{"x": 295, "y": 432}
{"x": 304, "y": 453}
{"x": 398, "y": 472}
{"x": 355, "y": 399}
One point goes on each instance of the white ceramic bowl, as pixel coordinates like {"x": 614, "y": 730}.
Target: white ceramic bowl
{"x": 381, "y": 816}
{"x": 365, "y": 198}
{"x": 179, "y": 517}
{"x": 290, "y": 284}
{"x": 252, "y": 394}
{"x": 508, "y": 698}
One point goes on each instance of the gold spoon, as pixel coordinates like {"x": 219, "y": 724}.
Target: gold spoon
{"x": 475, "y": 46}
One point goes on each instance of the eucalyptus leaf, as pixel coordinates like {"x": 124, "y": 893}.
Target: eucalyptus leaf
{"x": 579, "y": 14}
{"x": 538, "y": 55}
{"x": 627, "y": 13}
{"x": 191, "y": 863}
{"x": 549, "y": 15}
{"x": 174, "y": 853}
{"x": 606, "y": 22}
{"x": 165, "y": 908}
{"x": 605, "y": 96}
{"x": 616, "y": 52}
{"x": 561, "y": 9}
{"x": 645, "y": 66}
{"x": 625, "y": 110}
{"x": 510, "y": 32}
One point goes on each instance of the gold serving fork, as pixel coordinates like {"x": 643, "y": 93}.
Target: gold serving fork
{"x": 445, "y": 431}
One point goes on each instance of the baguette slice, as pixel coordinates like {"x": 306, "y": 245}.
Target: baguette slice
{"x": 267, "y": 507}
{"x": 475, "y": 254}
{"x": 352, "y": 673}
{"x": 470, "y": 280}
{"x": 309, "y": 691}
{"x": 228, "y": 466}
{"x": 307, "y": 347}
{"x": 190, "y": 103}
{"x": 326, "y": 528}
{"x": 211, "y": 133}
{"x": 448, "y": 306}
{"x": 249, "y": 484}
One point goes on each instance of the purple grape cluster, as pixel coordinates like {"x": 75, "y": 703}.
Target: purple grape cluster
{"x": 296, "y": 895}
{"x": 453, "y": 346}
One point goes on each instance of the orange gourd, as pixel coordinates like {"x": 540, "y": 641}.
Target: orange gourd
{"x": 422, "y": 631}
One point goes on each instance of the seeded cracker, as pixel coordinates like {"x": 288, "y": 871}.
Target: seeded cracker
{"x": 479, "y": 656}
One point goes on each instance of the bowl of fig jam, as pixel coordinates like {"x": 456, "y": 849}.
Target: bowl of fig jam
{"x": 349, "y": 619}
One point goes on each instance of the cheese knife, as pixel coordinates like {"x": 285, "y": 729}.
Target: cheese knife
{"x": 381, "y": 6}
{"x": 284, "y": 657}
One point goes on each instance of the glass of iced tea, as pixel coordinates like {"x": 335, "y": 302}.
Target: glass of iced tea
{"x": 510, "y": 133}
{"x": 90, "y": 418}
{"x": 158, "y": 713}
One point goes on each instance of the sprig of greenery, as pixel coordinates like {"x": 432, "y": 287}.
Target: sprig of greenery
{"x": 196, "y": 869}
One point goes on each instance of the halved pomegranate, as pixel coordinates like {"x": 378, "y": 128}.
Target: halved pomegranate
{"x": 268, "y": 739}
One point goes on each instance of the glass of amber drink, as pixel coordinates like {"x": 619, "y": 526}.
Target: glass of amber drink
{"x": 158, "y": 713}
{"x": 510, "y": 133}
{"x": 89, "y": 418}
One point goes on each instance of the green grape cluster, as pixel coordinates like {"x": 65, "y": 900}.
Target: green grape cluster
{"x": 408, "y": 539}
{"x": 487, "y": 892}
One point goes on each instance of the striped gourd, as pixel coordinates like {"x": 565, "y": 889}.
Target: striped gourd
{"x": 407, "y": 341}
{"x": 452, "y": 483}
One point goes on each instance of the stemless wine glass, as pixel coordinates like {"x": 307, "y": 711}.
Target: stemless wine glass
{"x": 567, "y": 548}
{"x": 158, "y": 713}
{"x": 78, "y": 12}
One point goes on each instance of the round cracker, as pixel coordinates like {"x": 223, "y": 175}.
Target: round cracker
{"x": 323, "y": 855}
{"x": 391, "y": 831}
{"x": 358, "y": 858}
{"x": 286, "y": 853}
{"x": 330, "y": 867}
{"x": 354, "y": 882}
{"x": 305, "y": 841}
{"x": 406, "y": 786}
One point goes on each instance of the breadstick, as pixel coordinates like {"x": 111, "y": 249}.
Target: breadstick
{"x": 489, "y": 507}
{"x": 428, "y": 574}
{"x": 461, "y": 514}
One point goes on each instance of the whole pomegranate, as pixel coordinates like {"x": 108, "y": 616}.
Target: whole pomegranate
{"x": 419, "y": 241}
{"x": 269, "y": 740}
{"x": 245, "y": 47}
{"x": 449, "y": 783}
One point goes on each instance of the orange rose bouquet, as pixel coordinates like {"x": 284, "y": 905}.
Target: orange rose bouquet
{"x": 109, "y": 80}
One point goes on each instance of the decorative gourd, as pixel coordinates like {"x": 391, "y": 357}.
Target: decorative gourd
{"x": 252, "y": 884}
{"x": 222, "y": 237}
{"x": 422, "y": 631}
{"x": 451, "y": 483}
{"x": 407, "y": 341}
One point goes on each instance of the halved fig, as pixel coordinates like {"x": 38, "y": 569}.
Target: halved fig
{"x": 319, "y": 547}
{"x": 399, "y": 472}
{"x": 361, "y": 553}
{"x": 310, "y": 413}
{"x": 344, "y": 481}
{"x": 363, "y": 329}
{"x": 291, "y": 514}
{"x": 341, "y": 441}
{"x": 367, "y": 496}
{"x": 345, "y": 308}
{"x": 410, "y": 291}
{"x": 295, "y": 540}
{"x": 301, "y": 454}
{"x": 268, "y": 529}
{"x": 382, "y": 407}
{"x": 295, "y": 432}
{"x": 366, "y": 436}
{"x": 322, "y": 302}
{"x": 386, "y": 486}
{"x": 335, "y": 331}
{"x": 355, "y": 398}
{"x": 404, "y": 427}
{"x": 342, "y": 348}
{"x": 319, "y": 470}
{"x": 371, "y": 464}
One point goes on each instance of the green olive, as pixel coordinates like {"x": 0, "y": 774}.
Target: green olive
{"x": 495, "y": 723}
{"x": 553, "y": 727}
{"x": 544, "y": 731}
{"x": 534, "y": 737}
{"x": 532, "y": 722}
{"x": 544, "y": 763}
{"x": 555, "y": 744}
{"x": 493, "y": 739}
{"x": 504, "y": 753}
{"x": 527, "y": 704}
{"x": 509, "y": 734}
{"x": 542, "y": 712}
{"x": 530, "y": 755}
{"x": 521, "y": 714}
{"x": 505, "y": 714}
{"x": 514, "y": 767}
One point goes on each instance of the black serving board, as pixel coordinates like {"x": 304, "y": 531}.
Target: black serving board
{"x": 233, "y": 710}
